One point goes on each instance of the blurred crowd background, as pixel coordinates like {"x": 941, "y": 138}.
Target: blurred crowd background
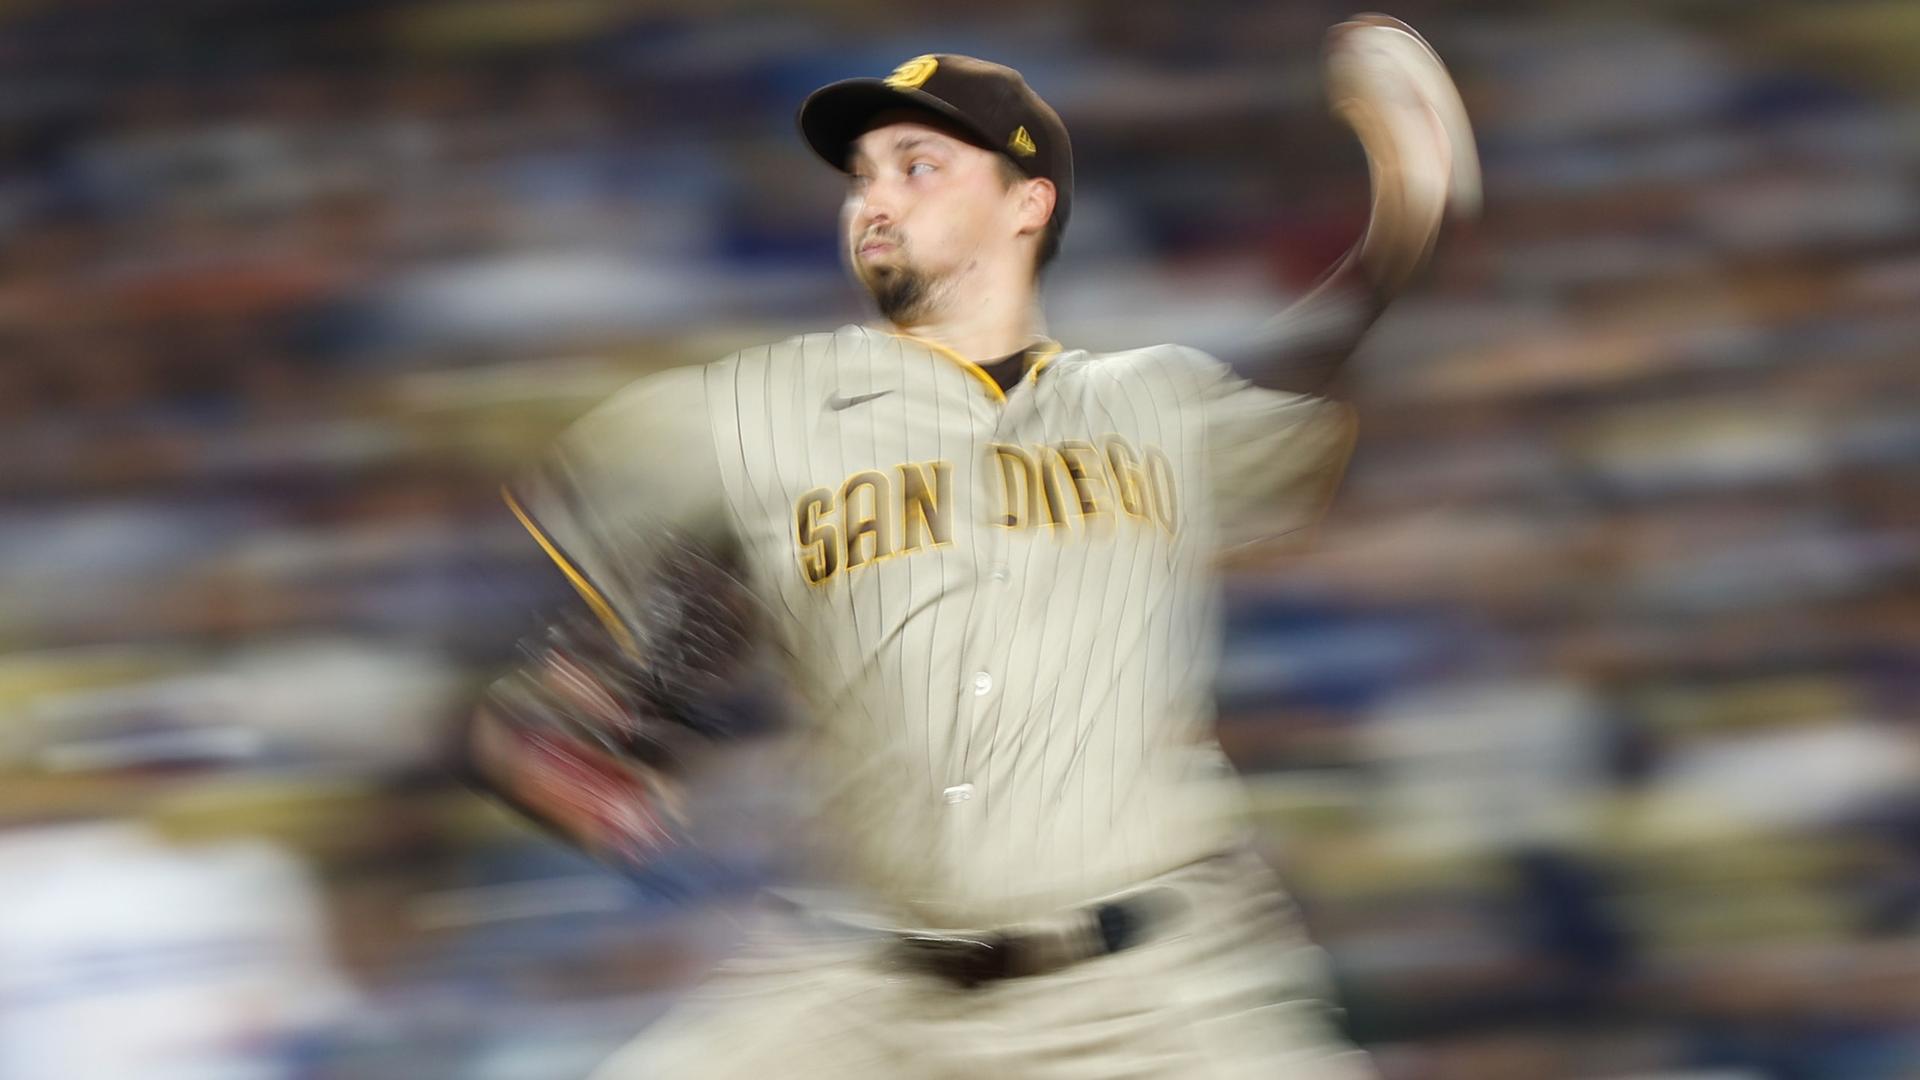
{"x": 1585, "y": 733}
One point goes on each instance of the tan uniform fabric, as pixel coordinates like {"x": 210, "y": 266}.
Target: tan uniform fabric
{"x": 1230, "y": 992}
{"x": 1000, "y": 613}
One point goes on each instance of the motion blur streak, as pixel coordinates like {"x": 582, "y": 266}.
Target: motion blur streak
{"x": 1585, "y": 735}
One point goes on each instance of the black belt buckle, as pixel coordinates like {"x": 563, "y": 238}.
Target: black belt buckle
{"x": 963, "y": 960}
{"x": 1120, "y": 924}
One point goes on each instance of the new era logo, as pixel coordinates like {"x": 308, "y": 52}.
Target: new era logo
{"x": 1022, "y": 143}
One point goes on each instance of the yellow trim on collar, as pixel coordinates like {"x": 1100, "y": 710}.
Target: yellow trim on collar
{"x": 1052, "y": 349}
{"x": 966, "y": 365}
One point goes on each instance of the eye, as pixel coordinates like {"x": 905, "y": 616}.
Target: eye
{"x": 920, "y": 167}
{"x": 857, "y": 182}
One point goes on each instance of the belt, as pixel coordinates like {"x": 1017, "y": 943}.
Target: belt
{"x": 969, "y": 960}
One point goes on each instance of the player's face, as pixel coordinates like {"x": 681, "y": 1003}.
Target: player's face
{"x": 925, "y": 211}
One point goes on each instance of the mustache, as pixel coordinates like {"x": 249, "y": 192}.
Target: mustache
{"x": 883, "y": 235}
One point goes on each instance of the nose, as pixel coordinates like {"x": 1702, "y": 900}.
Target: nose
{"x": 876, "y": 206}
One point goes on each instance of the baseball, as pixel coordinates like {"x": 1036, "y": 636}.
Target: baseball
{"x": 1387, "y": 84}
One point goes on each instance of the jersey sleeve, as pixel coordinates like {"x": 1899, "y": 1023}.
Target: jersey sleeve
{"x": 1275, "y": 457}
{"x": 634, "y": 476}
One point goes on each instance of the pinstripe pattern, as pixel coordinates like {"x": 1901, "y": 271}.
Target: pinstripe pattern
{"x": 1019, "y": 717}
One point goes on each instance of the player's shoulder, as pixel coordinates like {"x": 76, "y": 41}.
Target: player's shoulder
{"x": 789, "y": 357}
{"x": 711, "y": 378}
{"x": 1178, "y": 368}
{"x": 669, "y": 392}
{"x": 803, "y": 344}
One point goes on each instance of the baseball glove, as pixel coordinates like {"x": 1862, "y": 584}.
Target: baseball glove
{"x": 587, "y": 733}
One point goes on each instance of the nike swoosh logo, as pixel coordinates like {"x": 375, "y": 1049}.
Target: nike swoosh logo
{"x": 837, "y": 402}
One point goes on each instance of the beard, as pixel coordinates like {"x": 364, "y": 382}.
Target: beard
{"x": 902, "y": 293}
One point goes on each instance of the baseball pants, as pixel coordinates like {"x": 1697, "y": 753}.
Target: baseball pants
{"x": 1228, "y": 988}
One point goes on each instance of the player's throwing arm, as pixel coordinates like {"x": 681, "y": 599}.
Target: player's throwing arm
{"x": 1387, "y": 84}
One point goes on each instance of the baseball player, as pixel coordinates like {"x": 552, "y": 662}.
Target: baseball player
{"x": 984, "y": 558}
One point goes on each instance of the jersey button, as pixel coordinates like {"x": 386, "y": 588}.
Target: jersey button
{"x": 1001, "y": 573}
{"x": 958, "y": 793}
{"x": 982, "y": 684}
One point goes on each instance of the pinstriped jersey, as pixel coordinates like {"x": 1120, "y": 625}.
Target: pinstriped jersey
{"x": 998, "y": 608}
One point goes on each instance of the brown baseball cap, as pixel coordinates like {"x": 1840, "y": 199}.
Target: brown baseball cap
{"x": 989, "y": 101}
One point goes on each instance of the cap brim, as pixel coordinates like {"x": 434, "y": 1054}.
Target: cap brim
{"x": 835, "y": 115}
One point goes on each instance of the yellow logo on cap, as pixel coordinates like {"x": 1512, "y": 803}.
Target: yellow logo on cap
{"x": 1022, "y": 143}
{"x": 910, "y": 75}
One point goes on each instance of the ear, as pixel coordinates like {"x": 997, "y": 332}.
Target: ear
{"x": 1036, "y": 205}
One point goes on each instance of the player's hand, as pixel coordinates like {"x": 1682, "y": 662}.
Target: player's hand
{"x": 608, "y": 804}
{"x": 591, "y": 731}
{"x": 1387, "y": 84}
{"x": 570, "y": 737}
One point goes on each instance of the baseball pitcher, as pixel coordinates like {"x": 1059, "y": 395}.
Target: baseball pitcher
{"x": 985, "y": 560}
